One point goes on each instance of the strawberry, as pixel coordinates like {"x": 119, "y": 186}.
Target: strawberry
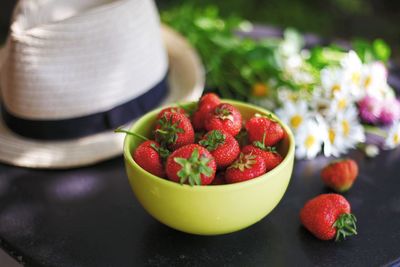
{"x": 209, "y": 101}
{"x": 206, "y": 104}
{"x": 246, "y": 167}
{"x": 149, "y": 155}
{"x": 340, "y": 175}
{"x": 269, "y": 154}
{"x": 219, "y": 179}
{"x": 328, "y": 216}
{"x": 258, "y": 126}
{"x": 191, "y": 164}
{"x": 224, "y": 117}
{"x": 222, "y": 146}
{"x": 174, "y": 130}
{"x": 198, "y": 118}
{"x": 172, "y": 110}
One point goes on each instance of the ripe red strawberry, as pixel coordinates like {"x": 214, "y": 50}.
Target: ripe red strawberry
{"x": 206, "y": 104}
{"x": 219, "y": 179}
{"x": 340, "y": 175}
{"x": 198, "y": 118}
{"x": 224, "y": 117}
{"x": 223, "y": 146}
{"x": 172, "y": 110}
{"x": 191, "y": 164}
{"x": 258, "y": 126}
{"x": 174, "y": 130}
{"x": 327, "y": 216}
{"x": 209, "y": 101}
{"x": 269, "y": 154}
{"x": 246, "y": 167}
{"x": 149, "y": 156}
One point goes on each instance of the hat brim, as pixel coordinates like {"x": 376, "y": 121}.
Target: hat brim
{"x": 186, "y": 83}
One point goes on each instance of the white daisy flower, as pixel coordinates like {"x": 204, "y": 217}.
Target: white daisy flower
{"x": 393, "y": 136}
{"x": 285, "y": 94}
{"x": 344, "y": 132}
{"x": 308, "y": 140}
{"x": 352, "y": 68}
{"x": 333, "y": 82}
{"x": 339, "y": 104}
{"x": 294, "y": 114}
{"x": 373, "y": 79}
{"x": 350, "y": 127}
{"x": 334, "y": 143}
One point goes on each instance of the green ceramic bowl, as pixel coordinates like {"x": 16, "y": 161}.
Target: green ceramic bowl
{"x": 209, "y": 210}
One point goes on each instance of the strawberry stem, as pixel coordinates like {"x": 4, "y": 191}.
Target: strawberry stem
{"x": 193, "y": 168}
{"x": 120, "y": 130}
{"x": 168, "y": 132}
{"x": 212, "y": 140}
{"x": 345, "y": 226}
{"x": 245, "y": 161}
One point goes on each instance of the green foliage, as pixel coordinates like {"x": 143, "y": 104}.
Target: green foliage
{"x": 235, "y": 64}
{"x": 378, "y": 50}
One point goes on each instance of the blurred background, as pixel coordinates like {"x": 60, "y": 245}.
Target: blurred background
{"x": 330, "y": 18}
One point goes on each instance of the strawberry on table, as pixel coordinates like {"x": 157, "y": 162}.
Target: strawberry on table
{"x": 172, "y": 110}
{"x": 149, "y": 155}
{"x": 191, "y": 164}
{"x": 224, "y": 117}
{"x": 223, "y": 146}
{"x": 246, "y": 167}
{"x": 340, "y": 175}
{"x": 328, "y": 216}
{"x": 206, "y": 104}
{"x": 174, "y": 130}
{"x": 257, "y": 127}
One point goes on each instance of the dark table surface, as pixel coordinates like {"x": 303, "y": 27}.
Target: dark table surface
{"x": 90, "y": 217}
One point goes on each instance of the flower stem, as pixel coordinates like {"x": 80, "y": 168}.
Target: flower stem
{"x": 375, "y": 130}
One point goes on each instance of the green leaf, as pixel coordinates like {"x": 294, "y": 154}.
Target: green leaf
{"x": 381, "y": 50}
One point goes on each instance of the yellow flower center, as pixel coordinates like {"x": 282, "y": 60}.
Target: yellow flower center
{"x": 260, "y": 89}
{"x": 346, "y": 127}
{"x": 336, "y": 88}
{"x": 367, "y": 82}
{"x": 355, "y": 78}
{"x": 309, "y": 142}
{"x": 342, "y": 104}
{"x": 332, "y": 136}
{"x": 295, "y": 121}
{"x": 396, "y": 138}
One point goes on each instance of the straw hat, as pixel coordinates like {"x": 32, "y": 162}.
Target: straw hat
{"x": 72, "y": 71}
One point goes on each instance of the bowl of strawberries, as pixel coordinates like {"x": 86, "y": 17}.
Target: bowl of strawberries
{"x": 209, "y": 167}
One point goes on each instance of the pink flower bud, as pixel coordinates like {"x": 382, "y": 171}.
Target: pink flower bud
{"x": 390, "y": 111}
{"x": 370, "y": 109}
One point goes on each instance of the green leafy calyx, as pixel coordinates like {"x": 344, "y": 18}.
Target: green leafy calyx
{"x": 168, "y": 132}
{"x": 224, "y": 114}
{"x": 262, "y": 146}
{"x": 245, "y": 161}
{"x": 162, "y": 151}
{"x": 345, "y": 226}
{"x": 212, "y": 140}
{"x": 193, "y": 168}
